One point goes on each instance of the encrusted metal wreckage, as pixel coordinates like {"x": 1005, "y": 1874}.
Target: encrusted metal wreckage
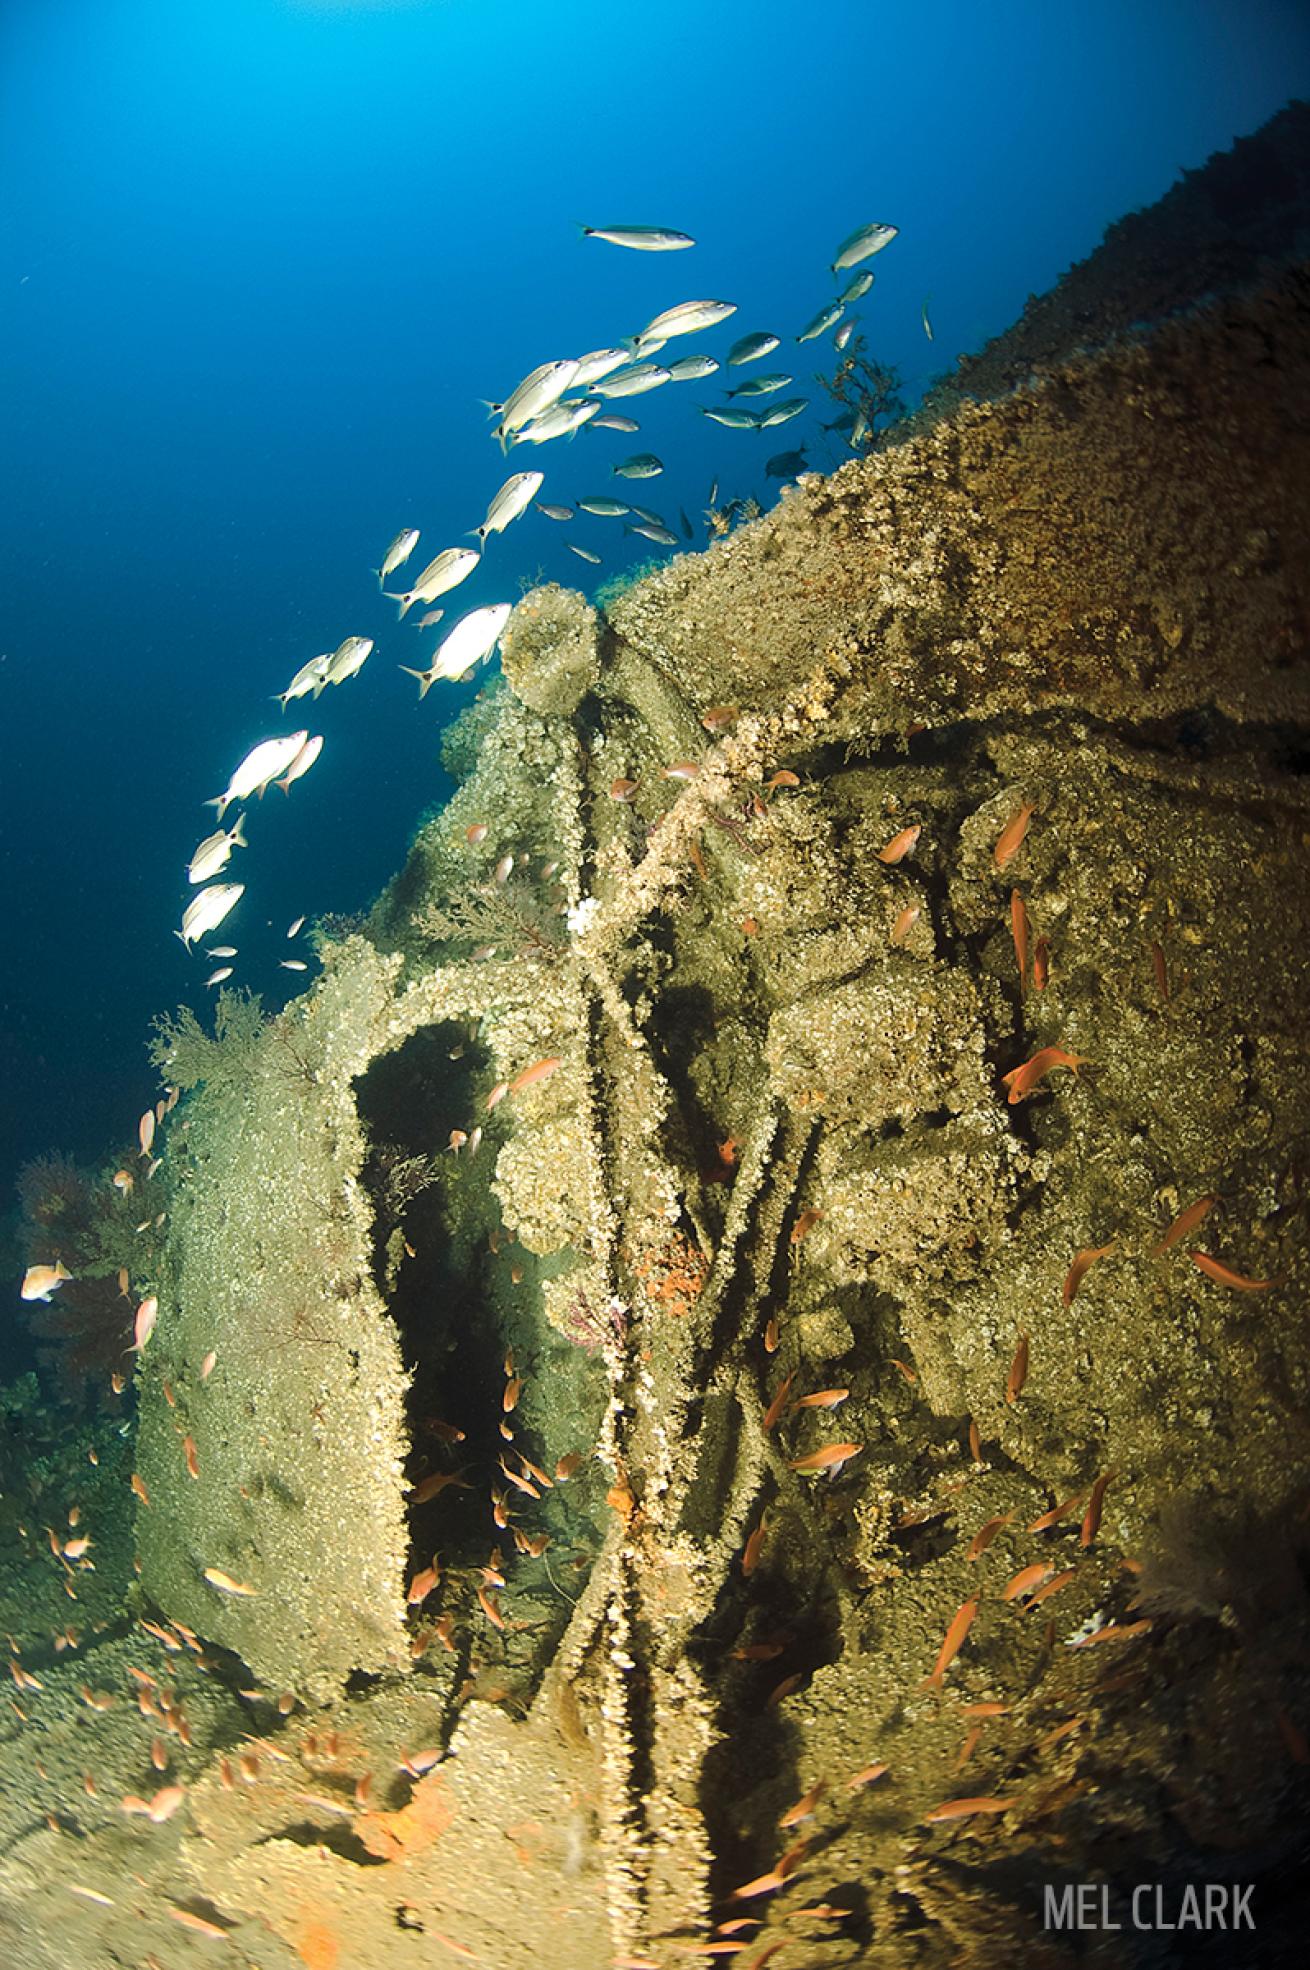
{"x": 702, "y": 1661}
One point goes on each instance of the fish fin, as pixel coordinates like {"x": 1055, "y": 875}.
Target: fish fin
{"x": 425, "y": 679}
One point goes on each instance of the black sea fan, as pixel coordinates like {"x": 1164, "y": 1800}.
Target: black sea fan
{"x": 1210, "y": 1561}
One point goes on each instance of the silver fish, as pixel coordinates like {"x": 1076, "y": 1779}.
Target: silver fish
{"x": 560, "y": 421}
{"x": 583, "y": 553}
{"x": 349, "y": 658}
{"x": 514, "y": 497}
{"x": 217, "y": 977}
{"x": 686, "y": 318}
{"x": 642, "y": 465}
{"x": 310, "y": 677}
{"x": 751, "y": 347}
{"x": 762, "y": 386}
{"x": 824, "y": 319}
{"x": 791, "y": 407}
{"x": 613, "y": 420}
{"x": 452, "y": 566}
{"x": 261, "y": 765}
{"x": 845, "y": 330}
{"x": 691, "y": 369}
{"x": 605, "y": 509}
{"x": 206, "y": 911}
{"x": 222, "y": 951}
{"x": 539, "y": 389}
{"x": 555, "y": 512}
{"x": 597, "y": 363}
{"x": 856, "y": 288}
{"x": 632, "y": 382}
{"x": 663, "y": 536}
{"x": 214, "y": 852}
{"x": 473, "y": 639}
{"x": 399, "y": 552}
{"x": 644, "y": 513}
{"x": 735, "y": 420}
{"x": 927, "y": 325}
{"x": 643, "y": 239}
{"x": 862, "y": 244}
{"x": 302, "y": 762}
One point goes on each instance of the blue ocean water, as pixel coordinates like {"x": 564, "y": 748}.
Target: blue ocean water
{"x": 261, "y": 260}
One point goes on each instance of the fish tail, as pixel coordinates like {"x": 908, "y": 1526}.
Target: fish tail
{"x": 238, "y": 838}
{"x": 424, "y": 680}
{"x": 220, "y": 803}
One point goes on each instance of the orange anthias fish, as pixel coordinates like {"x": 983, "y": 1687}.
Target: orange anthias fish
{"x": 959, "y": 1809}
{"x": 953, "y": 1643}
{"x": 1018, "y": 1374}
{"x": 1187, "y": 1221}
{"x": 1224, "y": 1274}
{"x": 1019, "y": 930}
{"x": 1023, "y": 1079}
{"x": 1010, "y": 839}
{"x": 1083, "y": 1261}
{"x": 900, "y": 845}
{"x": 830, "y": 1458}
{"x": 528, "y": 1077}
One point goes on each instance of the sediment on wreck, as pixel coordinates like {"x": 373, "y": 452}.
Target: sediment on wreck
{"x": 751, "y": 1143}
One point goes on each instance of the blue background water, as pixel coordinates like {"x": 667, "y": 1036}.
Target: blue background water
{"x": 259, "y": 259}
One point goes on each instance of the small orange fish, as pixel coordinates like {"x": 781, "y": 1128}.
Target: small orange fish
{"x": 985, "y": 1709}
{"x": 1010, "y": 839}
{"x": 1056, "y": 1513}
{"x": 540, "y": 1070}
{"x": 985, "y": 1534}
{"x": 960, "y": 1809}
{"x": 165, "y": 1803}
{"x": 1113, "y": 1631}
{"x": 76, "y": 1548}
{"x": 975, "y": 1442}
{"x": 1049, "y": 1587}
{"x": 1025, "y": 1580}
{"x": 804, "y": 1223}
{"x": 900, "y": 845}
{"x": 905, "y": 923}
{"x": 749, "y": 927}
{"x": 1023, "y": 1079}
{"x": 772, "y": 1337}
{"x": 830, "y": 1458}
{"x": 970, "y": 1745}
{"x": 197, "y": 1922}
{"x": 719, "y": 717}
{"x": 1041, "y": 965}
{"x": 750, "y": 1558}
{"x": 423, "y": 1584}
{"x": 139, "y": 1486}
{"x": 782, "y": 778}
{"x": 763, "y": 1884}
{"x": 953, "y": 1643}
{"x": 512, "y": 1391}
{"x": 681, "y": 769}
{"x": 223, "y": 1583}
{"x": 144, "y": 1324}
{"x": 489, "y": 1608}
{"x": 192, "y": 1461}
{"x": 497, "y": 1095}
{"x": 1186, "y": 1221}
{"x": 1019, "y": 931}
{"x": 821, "y": 1399}
{"x": 1224, "y": 1274}
{"x": 431, "y": 1486}
{"x": 1018, "y": 1374}
{"x": 775, "y": 1408}
{"x": 1083, "y": 1261}
{"x": 1092, "y": 1516}
{"x": 866, "y": 1777}
{"x": 805, "y": 1806}
{"x": 567, "y": 1466}
{"x": 622, "y": 789}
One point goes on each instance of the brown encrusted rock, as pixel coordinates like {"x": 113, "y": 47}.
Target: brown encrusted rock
{"x": 550, "y": 651}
